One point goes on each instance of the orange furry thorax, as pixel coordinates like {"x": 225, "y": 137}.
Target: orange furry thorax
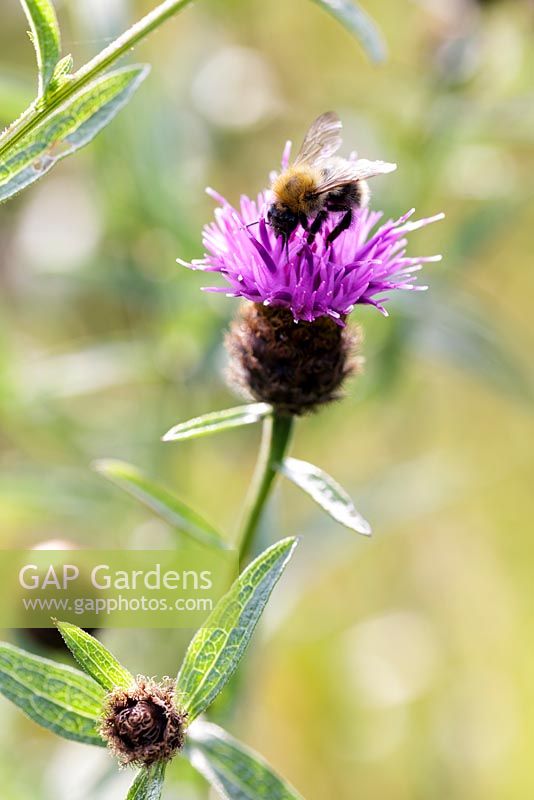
{"x": 296, "y": 187}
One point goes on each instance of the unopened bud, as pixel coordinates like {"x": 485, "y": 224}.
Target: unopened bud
{"x": 144, "y": 724}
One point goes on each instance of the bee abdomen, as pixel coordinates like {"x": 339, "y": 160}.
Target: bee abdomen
{"x": 350, "y": 195}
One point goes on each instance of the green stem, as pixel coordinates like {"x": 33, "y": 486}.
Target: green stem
{"x": 275, "y": 441}
{"x": 39, "y": 111}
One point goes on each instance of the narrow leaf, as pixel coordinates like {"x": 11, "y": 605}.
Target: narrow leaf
{"x": 161, "y": 501}
{"x": 359, "y": 23}
{"x": 45, "y": 37}
{"x": 68, "y": 129}
{"x": 94, "y": 658}
{"x": 62, "y": 699}
{"x": 218, "y": 647}
{"x": 148, "y": 784}
{"x": 326, "y": 492}
{"x": 235, "y": 771}
{"x": 62, "y": 72}
{"x": 218, "y": 421}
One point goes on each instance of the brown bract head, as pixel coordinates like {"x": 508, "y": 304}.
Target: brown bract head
{"x": 295, "y": 367}
{"x": 143, "y": 724}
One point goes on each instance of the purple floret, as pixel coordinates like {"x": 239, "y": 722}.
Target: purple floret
{"x": 361, "y": 266}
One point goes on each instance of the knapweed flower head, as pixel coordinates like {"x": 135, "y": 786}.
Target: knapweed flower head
{"x": 143, "y": 724}
{"x": 304, "y": 279}
{"x": 363, "y": 265}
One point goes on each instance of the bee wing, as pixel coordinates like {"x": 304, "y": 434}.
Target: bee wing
{"x": 340, "y": 172}
{"x": 322, "y": 140}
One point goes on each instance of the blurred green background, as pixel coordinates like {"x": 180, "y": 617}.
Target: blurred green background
{"x": 398, "y": 668}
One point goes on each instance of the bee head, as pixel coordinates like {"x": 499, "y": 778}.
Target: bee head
{"x": 282, "y": 220}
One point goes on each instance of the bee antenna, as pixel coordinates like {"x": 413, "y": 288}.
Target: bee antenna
{"x": 250, "y": 224}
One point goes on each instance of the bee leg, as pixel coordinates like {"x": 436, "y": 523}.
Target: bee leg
{"x": 286, "y": 245}
{"x": 342, "y": 225}
{"x": 303, "y": 220}
{"x": 316, "y": 225}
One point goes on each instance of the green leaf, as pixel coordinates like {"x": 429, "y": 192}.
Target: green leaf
{"x": 62, "y": 72}
{"x": 161, "y": 501}
{"x": 218, "y": 647}
{"x": 68, "y": 129}
{"x": 218, "y": 421}
{"x": 45, "y": 37}
{"x": 359, "y": 23}
{"x": 148, "y": 784}
{"x": 59, "y": 698}
{"x": 326, "y": 492}
{"x": 94, "y": 658}
{"x": 235, "y": 771}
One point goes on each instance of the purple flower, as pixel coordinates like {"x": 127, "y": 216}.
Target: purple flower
{"x": 362, "y": 265}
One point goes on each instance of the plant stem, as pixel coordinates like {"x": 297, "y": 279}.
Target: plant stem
{"x": 40, "y": 110}
{"x": 276, "y": 436}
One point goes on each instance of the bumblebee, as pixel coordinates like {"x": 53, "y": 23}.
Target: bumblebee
{"x": 319, "y": 182}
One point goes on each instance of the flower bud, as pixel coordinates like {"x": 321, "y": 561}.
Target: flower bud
{"x": 144, "y": 724}
{"x": 295, "y": 367}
